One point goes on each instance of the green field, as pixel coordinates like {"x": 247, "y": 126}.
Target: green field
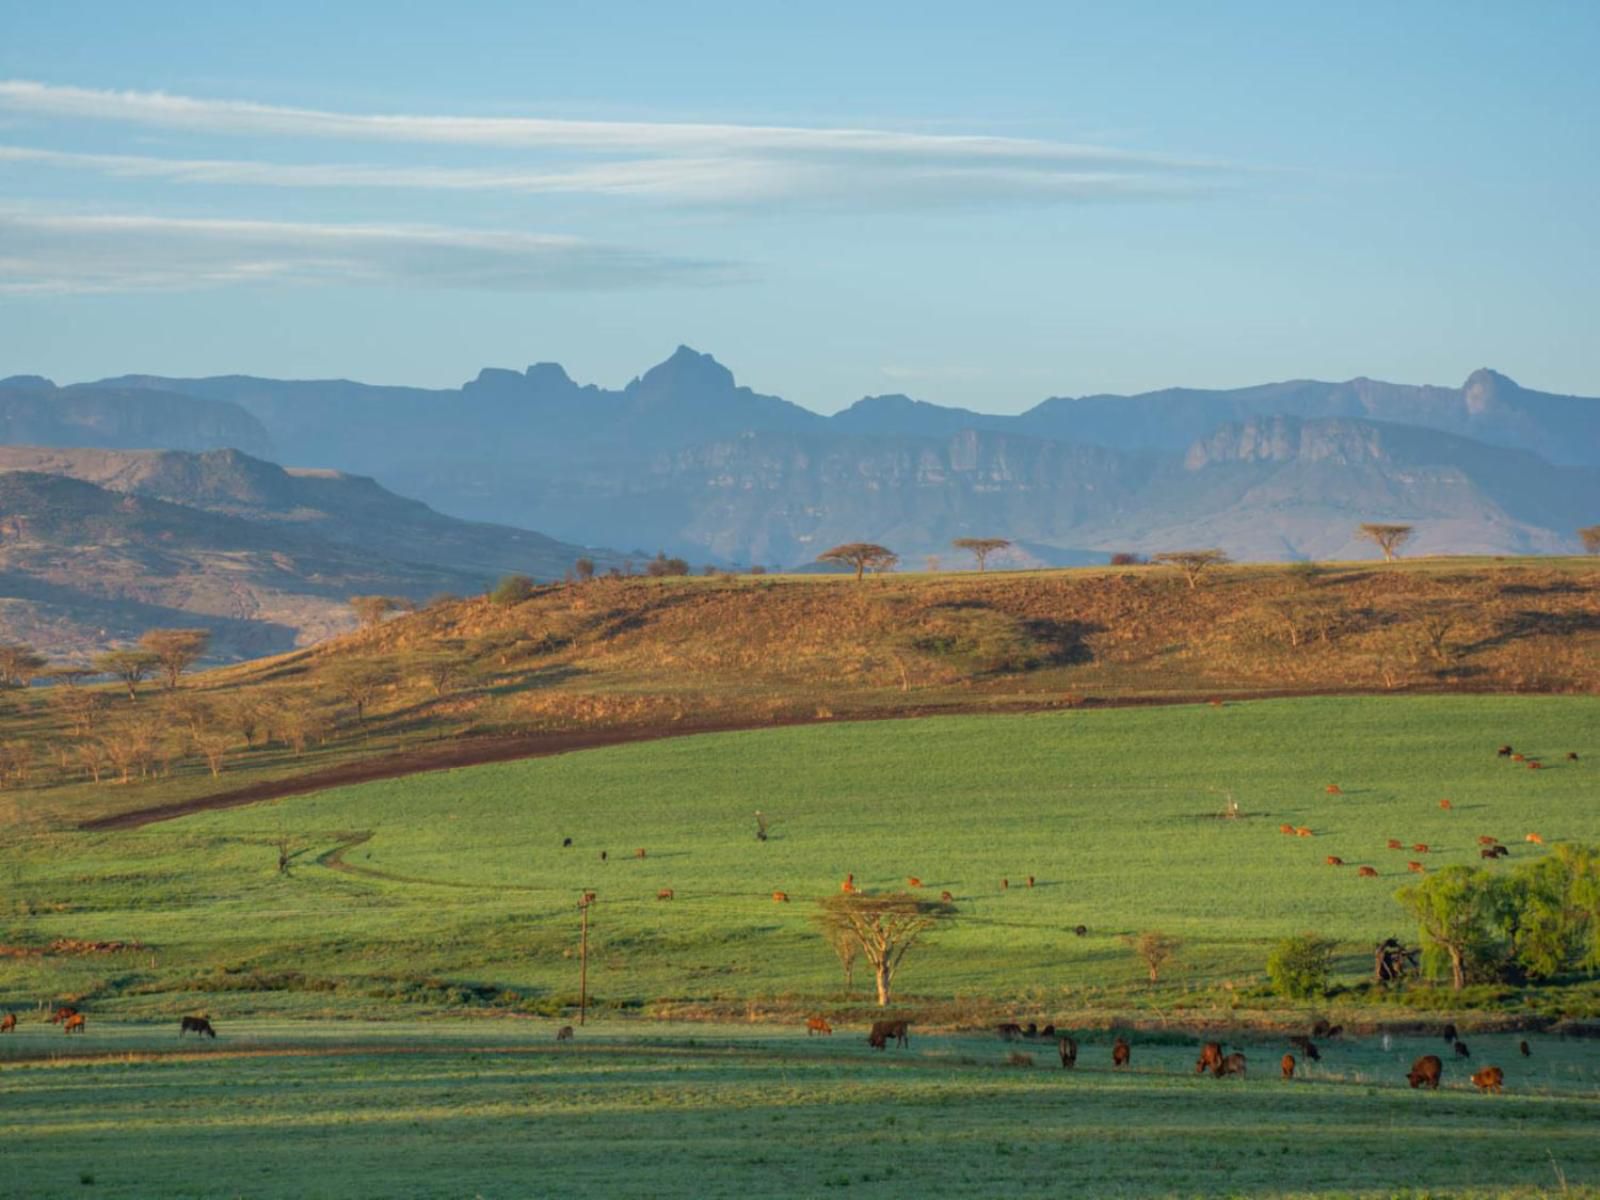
{"x": 459, "y": 893}
{"x": 497, "y": 1109}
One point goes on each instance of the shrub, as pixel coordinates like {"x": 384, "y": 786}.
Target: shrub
{"x": 1125, "y": 558}
{"x": 513, "y": 589}
{"x": 1299, "y": 966}
{"x": 661, "y": 565}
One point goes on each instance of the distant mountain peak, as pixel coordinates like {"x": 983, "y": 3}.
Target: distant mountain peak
{"x": 548, "y": 375}
{"x": 28, "y": 383}
{"x": 686, "y": 368}
{"x": 1483, "y": 388}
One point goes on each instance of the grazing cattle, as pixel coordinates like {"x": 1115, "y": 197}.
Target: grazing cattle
{"x": 1121, "y": 1052}
{"x": 664, "y": 894}
{"x": 1336, "y": 1031}
{"x": 64, "y": 1013}
{"x": 1535, "y": 839}
{"x": 1333, "y": 860}
{"x": 1396, "y": 844}
{"x": 1009, "y": 1032}
{"x": 1505, "y": 751}
{"x": 1069, "y": 1052}
{"x": 1320, "y": 1029}
{"x": 1367, "y": 872}
{"x": 1049, "y": 1031}
{"x": 9, "y": 1024}
{"x": 849, "y": 884}
{"x": 1018, "y": 1059}
{"x": 1234, "y": 1064}
{"x": 1534, "y": 764}
{"x": 197, "y": 1025}
{"x": 913, "y": 881}
{"x": 1489, "y": 1079}
{"x": 1289, "y": 829}
{"x": 74, "y": 1022}
{"x": 1032, "y": 1030}
{"x": 1210, "y": 1058}
{"x": 603, "y": 856}
{"x": 946, "y": 898}
{"x": 1416, "y": 867}
{"x": 1333, "y": 790}
{"x": 639, "y": 853}
{"x": 1461, "y": 1050}
{"x": 815, "y": 1025}
{"x": 1302, "y": 831}
{"x": 1517, "y": 758}
{"x": 1081, "y": 930}
{"x": 1287, "y": 1066}
{"x": 588, "y": 897}
{"x": 1485, "y": 839}
{"x": 1307, "y": 1047}
{"x": 1572, "y": 756}
{"x": 566, "y": 843}
{"x": 882, "y": 1031}
{"x": 1419, "y": 847}
{"x": 1030, "y": 880}
{"x": 564, "y": 1034}
{"x": 1523, "y": 1046}
{"x": 1445, "y": 804}
{"x": 1451, "y": 1033}
{"x": 1425, "y": 1072}
{"x": 1500, "y": 851}
{"x": 780, "y": 897}
{"x": 1488, "y": 852}
{"x": 1004, "y": 884}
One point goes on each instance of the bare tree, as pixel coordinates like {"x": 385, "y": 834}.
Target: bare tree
{"x": 863, "y": 556}
{"x": 133, "y": 667}
{"x": 1193, "y": 563}
{"x": 442, "y": 669}
{"x": 176, "y": 650}
{"x": 981, "y": 548}
{"x": 80, "y": 708}
{"x": 371, "y": 611}
{"x": 1155, "y": 950}
{"x": 886, "y": 928}
{"x": 1589, "y": 535}
{"x": 215, "y": 743}
{"x": 297, "y": 723}
{"x": 69, "y": 676}
{"x": 19, "y": 664}
{"x": 1389, "y": 538}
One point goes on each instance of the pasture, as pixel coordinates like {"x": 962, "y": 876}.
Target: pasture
{"x": 452, "y": 890}
{"x": 463, "y": 1108}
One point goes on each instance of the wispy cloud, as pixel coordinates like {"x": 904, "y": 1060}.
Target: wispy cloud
{"x": 42, "y": 253}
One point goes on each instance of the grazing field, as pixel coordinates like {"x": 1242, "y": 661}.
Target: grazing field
{"x": 499, "y": 1109}
{"x": 452, "y": 890}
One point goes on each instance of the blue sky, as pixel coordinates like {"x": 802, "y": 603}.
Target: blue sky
{"x": 977, "y": 205}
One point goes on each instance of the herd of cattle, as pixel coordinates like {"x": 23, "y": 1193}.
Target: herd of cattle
{"x": 73, "y": 1021}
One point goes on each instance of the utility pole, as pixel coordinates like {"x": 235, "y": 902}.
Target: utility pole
{"x": 583, "y": 959}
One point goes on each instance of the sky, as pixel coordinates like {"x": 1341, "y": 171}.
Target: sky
{"x": 980, "y": 205}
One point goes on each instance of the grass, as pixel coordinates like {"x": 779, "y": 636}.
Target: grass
{"x": 497, "y": 1109}
{"x": 457, "y": 893}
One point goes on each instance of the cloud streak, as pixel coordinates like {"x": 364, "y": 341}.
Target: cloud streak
{"x": 44, "y": 254}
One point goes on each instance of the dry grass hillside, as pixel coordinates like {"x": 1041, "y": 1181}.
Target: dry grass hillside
{"x": 465, "y": 680}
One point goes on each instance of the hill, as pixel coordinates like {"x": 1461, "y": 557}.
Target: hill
{"x": 685, "y": 458}
{"x": 34, "y": 412}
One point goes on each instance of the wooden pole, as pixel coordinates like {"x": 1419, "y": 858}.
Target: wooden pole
{"x": 583, "y": 961}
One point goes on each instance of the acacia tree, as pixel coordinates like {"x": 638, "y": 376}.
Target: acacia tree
{"x": 371, "y": 610}
{"x": 175, "y": 650}
{"x": 133, "y": 667}
{"x": 1465, "y": 918}
{"x": 584, "y": 569}
{"x": 20, "y": 665}
{"x": 886, "y": 928}
{"x": 863, "y": 556}
{"x": 1155, "y": 949}
{"x": 360, "y": 683}
{"x": 1389, "y": 538}
{"x": 981, "y": 548}
{"x": 1589, "y": 535}
{"x": 1193, "y": 563}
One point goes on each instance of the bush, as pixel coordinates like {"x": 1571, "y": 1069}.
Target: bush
{"x": 513, "y": 589}
{"x": 1299, "y": 967}
{"x": 661, "y": 565}
{"x": 1123, "y": 558}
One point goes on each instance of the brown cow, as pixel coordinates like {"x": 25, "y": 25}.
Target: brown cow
{"x": 913, "y": 881}
{"x": 1367, "y": 872}
{"x": 1572, "y": 756}
{"x": 1488, "y": 852}
{"x": 946, "y": 898}
{"x": 1396, "y": 844}
{"x": 780, "y": 897}
{"x": 882, "y": 1031}
{"x": 1425, "y": 1072}
{"x": 1485, "y": 840}
{"x": 1004, "y": 884}
{"x": 1419, "y": 847}
{"x": 816, "y": 1025}
{"x": 1069, "y": 1052}
{"x": 1535, "y": 839}
{"x": 1500, "y": 851}
{"x": 1009, "y": 1032}
{"x": 1526, "y": 1052}
{"x": 1307, "y": 1047}
{"x": 1030, "y": 880}
{"x": 639, "y": 853}
{"x": 1333, "y": 790}
{"x": 564, "y": 1034}
{"x": 1210, "y": 1058}
{"x": 1518, "y": 758}
{"x": 1289, "y": 829}
{"x": 1302, "y": 831}
{"x": 664, "y": 894}
{"x": 1445, "y": 804}
{"x": 1287, "y": 1066}
{"x": 1489, "y": 1079}
{"x": 10, "y": 1023}
{"x": 1534, "y": 764}
{"x": 1232, "y": 1065}
{"x": 64, "y": 1013}
{"x": 849, "y": 884}
{"x": 1416, "y": 867}
{"x": 75, "y": 1021}
{"x": 1081, "y": 930}
{"x": 200, "y": 1026}
{"x": 1121, "y": 1052}
{"x": 1333, "y": 860}
{"x": 1504, "y": 751}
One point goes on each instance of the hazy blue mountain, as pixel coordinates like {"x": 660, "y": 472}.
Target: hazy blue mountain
{"x": 33, "y": 411}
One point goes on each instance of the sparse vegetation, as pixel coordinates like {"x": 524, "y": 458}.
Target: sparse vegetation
{"x": 1156, "y": 950}
{"x": 981, "y": 548}
{"x": 175, "y": 650}
{"x": 1192, "y": 563}
{"x": 1589, "y": 535}
{"x": 1388, "y": 538}
{"x": 1301, "y": 967}
{"x": 863, "y": 556}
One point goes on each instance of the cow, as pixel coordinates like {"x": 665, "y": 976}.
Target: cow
{"x": 63, "y": 1013}
{"x": 1501, "y": 851}
{"x": 1288, "y": 829}
{"x": 1534, "y": 764}
{"x": 1302, "y": 831}
{"x": 1572, "y": 756}
{"x": 664, "y": 894}
{"x": 848, "y": 887}
{"x": 564, "y": 1034}
{"x": 946, "y": 898}
{"x": 1485, "y": 839}
{"x": 882, "y": 1031}
{"x": 1333, "y": 860}
{"x": 1320, "y": 1029}
{"x": 1287, "y": 1066}
{"x": 566, "y": 843}
{"x": 9, "y": 1024}
{"x": 588, "y": 897}
{"x": 1488, "y": 852}
{"x": 1210, "y": 1058}
{"x": 1526, "y": 1052}
{"x": 780, "y": 897}
{"x": 1396, "y": 844}
{"x": 1004, "y": 884}
{"x": 1232, "y": 1065}
{"x": 1333, "y": 789}
{"x": 1307, "y": 1047}
{"x": 1416, "y": 867}
{"x": 639, "y": 853}
{"x": 1451, "y": 1033}
{"x": 815, "y": 1025}
{"x": 1030, "y": 880}
{"x": 913, "y": 882}
{"x": 1425, "y": 1072}
{"x": 1505, "y": 752}
{"x": 1419, "y": 847}
{"x": 1009, "y": 1032}
{"x": 1049, "y": 1031}
{"x": 200, "y": 1026}
{"x": 1069, "y": 1052}
{"x": 1081, "y": 930}
{"x": 1445, "y": 804}
{"x": 604, "y": 857}
{"x": 74, "y": 1022}
{"x": 1460, "y": 1049}
{"x": 1489, "y": 1079}
{"x": 1121, "y": 1052}
{"x": 1518, "y": 758}
{"x": 1032, "y": 1031}
{"x": 1336, "y": 1031}
{"x": 1367, "y": 872}
{"x": 1535, "y": 839}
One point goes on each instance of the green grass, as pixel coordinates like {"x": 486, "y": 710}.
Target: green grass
{"x": 497, "y": 1109}
{"x": 465, "y": 896}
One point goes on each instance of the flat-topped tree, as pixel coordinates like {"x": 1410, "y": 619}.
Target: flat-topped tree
{"x": 133, "y": 667}
{"x": 1589, "y": 535}
{"x": 863, "y": 556}
{"x": 886, "y": 928}
{"x": 1389, "y": 538}
{"x": 20, "y": 665}
{"x": 981, "y": 548}
{"x": 1193, "y": 563}
{"x": 175, "y": 649}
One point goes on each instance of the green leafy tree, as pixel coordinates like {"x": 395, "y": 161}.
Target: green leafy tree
{"x": 1300, "y": 967}
{"x": 1465, "y": 917}
{"x": 176, "y": 650}
{"x": 19, "y": 664}
{"x": 132, "y": 667}
{"x": 1558, "y": 926}
{"x": 886, "y": 928}
{"x": 512, "y": 589}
